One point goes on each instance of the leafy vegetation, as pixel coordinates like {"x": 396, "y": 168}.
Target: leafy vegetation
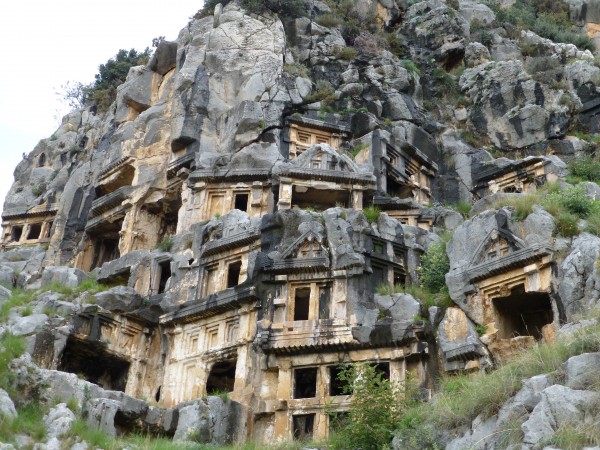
{"x": 324, "y": 93}
{"x": 291, "y": 8}
{"x": 567, "y": 206}
{"x": 584, "y": 169}
{"x": 23, "y": 297}
{"x": 464, "y": 397}
{"x": 345, "y": 53}
{"x": 547, "y": 19}
{"x": 435, "y": 266}
{"x": 103, "y": 91}
{"x": 372, "y": 213}
{"x": 166, "y": 244}
{"x": 378, "y": 406}
{"x": 462, "y": 207}
{"x": 28, "y": 421}
{"x": 11, "y": 347}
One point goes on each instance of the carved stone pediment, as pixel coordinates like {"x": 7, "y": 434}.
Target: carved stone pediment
{"x": 497, "y": 244}
{"x": 309, "y": 245}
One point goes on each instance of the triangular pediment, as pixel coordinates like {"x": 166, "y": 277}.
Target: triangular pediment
{"x": 497, "y": 244}
{"x": 309, "y": 245}
{"x": 324, "y": 157}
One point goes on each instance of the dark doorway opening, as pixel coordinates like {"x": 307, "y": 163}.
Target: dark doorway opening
{"x": 304, "y": 425}
{"x": 319, "y": 199}
{"x": 221, "y": 377}
{"x": 16, "y": 233}
{"x": 305, "y": 382}
{"x": 233, "y": 274}
{"x": 164, "y": 269}
{"x": 89, "y": 360}
{"x": 383, "y": 368}
{"x": 522, "y": 313}
{"x": 241, "y": 201}
{"x": 301, "y": 303}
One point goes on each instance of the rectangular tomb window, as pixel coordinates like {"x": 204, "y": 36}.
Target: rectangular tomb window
{"x": 210, "y": 280}
{"x": 304, "y": 425}
{"x": 305, "y": 382}
{"x": 16, "y": 233}
{"x": 241, "y": 201}
{"x": 302, "y": 303}
{"x": 338, "y": 386}
{"x": 383, "y": 368}
{"x": 34, "y": 231}
{"x": 164, "y": 269}
{"x": 233, "y": 273}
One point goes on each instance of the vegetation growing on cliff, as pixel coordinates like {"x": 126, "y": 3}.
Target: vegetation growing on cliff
{"x": 111, "y": 74}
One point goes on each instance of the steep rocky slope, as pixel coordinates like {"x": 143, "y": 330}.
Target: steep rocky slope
{"x": 291, "y": 187}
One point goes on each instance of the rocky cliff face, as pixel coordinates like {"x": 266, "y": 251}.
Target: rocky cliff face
{"x": 274, "y": 196}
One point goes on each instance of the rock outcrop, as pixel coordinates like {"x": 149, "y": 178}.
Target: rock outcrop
{"x": 280, "y": 193}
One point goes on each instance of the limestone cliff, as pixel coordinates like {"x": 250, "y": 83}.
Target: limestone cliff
{"x": 265, "y": 202}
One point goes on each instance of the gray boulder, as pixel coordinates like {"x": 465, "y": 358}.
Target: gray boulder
{"x": 210, "y": 420}
{"x": 64, "y": 276}
{"x": 400, "y": 307}
{"x": 559, "y": 405}
{"x": 582, "y": 370}
{"x": 7, "y": 276}
{"x": 119, "y": 299}
{"x": 579, "y": 281}
{"x": 7, "y": 407}
{"x": 28, "y": 325}
{"x": 101, "y": 414}
{"x": 164, "y": 57}
{"x": 59, "y": 421}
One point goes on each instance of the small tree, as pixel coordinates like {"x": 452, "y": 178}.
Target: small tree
{"x": 376, "y": 408}
{"x": 435, "y": 266}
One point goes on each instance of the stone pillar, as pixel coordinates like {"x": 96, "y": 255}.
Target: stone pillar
{"x": 357, "y": 199}
{"x": 285, "y": 193}
{"x": 284, "y": 391}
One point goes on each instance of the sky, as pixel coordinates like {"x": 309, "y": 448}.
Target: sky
{"x": 49, "y": 43}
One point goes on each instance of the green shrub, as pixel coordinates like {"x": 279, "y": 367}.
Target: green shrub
{"x": 324, "y": 92}
{"x": 593, "y": 222}
{"x": 103, "y": 91}
{"x": 345, "y": 53}
{"x": 549, "y": 21}
{"x": 388, "y": 289}
{"x": 11, "y": 347}
{"x": 329, "y": 20}
{"x": 166, "y": 244}
{"x": 462, "y": 207}
{"x": 575, "y": 435}
{"x": 29, "y": 421}
{"x": 289, "y": 8}
{"x": 566, "y": 224}
{"x": 297, "y": 70}
{"x": 410, "y": 66}
{"x": 584, "y": 169}
{"x": 395, "y": 44}
{"x": 19, "y": 297}
{"x": 428, "y": 298}
{"x": 372, "y": 213}
{"x": 522, "y": 205}
{"x": 435, "y": 265}
{"x": 358, "y": 148}
{"x": 376, "y": 408}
